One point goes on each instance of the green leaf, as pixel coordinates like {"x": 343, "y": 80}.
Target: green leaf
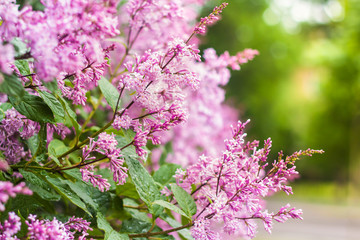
{"x": 81, "y": 190}
{"x": 12, "y": 86}
{"x": 127, "y": 190}
{"x": 36, "y": 183}
{"x": 57, "y": 147}
{"x": 124, "y": 137}
{"x": 185, "y": 200}
{"x": 32, "y": 107}
{"x": 23, "y": 230}
{"x": 99, "y": 201}
{"x": 135, "y": 213}
{"x": 72, "y": 115}
{"x": 110, "y": 233}
{"x": 165, "y": 173}
{"x": 171, "y": 207}
{"x": 145, "y": 185}
{"x": 53, "y": 103}
{"x": 19, "y": 46}
{"x": 134, "y": 225}
{"x": 110, "y": 92}
{"x": 185, "y": 233}
{"x": 23, "y": 67}
{"x": 64, "y": 190}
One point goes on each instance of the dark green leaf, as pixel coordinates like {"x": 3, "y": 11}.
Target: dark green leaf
{"x": 99, "y": 201}
{"x": 64, "y": 190}
{"x": 185, "y": 200}
{"x": 33, "y": 107}
{"x": 165, "y": 173}
{"x": 110, "y": 233}
{"x": 110, "y": 92}
{"x": 36, "y": 183}
{"x": 23, "y": 67}
{"x": 24, "y": 228}
{"x": 134, "y": 225}
{"x": 135, "y": 213}
{"x": 12, "y": 86}
{"x": 145, "y": 185}
{"x": 81, "y": 190}
{"x": 54, "y": 104}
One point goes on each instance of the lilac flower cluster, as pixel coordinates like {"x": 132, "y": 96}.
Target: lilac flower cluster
{"x": 64, "y": 39}
{"x": 15, "y": 125}
{"x": 209, "y": 117}
{"x": 44, "y": 229}
{"x": 230, "y": 187}
{"x": 211, "y": 19}
{"x": 106, "y": 145}
{"x": 7, "y": 189}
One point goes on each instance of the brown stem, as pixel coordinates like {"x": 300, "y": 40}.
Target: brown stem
{"x": 24, "y": 56}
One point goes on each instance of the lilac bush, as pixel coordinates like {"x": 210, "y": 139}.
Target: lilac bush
{"x": 114, "y": 125}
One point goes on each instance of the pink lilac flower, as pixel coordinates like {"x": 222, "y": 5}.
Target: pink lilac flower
{"x": 123, "y": 121}
{"x": 87, "y": 173}
{"x": 7, "y": 190}
{"x": 10, "y": 227}
{"x": 78, "y": 225}
{"x": 64, "y": 39}
{"x": 209, "y": 20}
{"x": 13, "y": 125}
{"x": 209, "y": 117}
{"x": 46, "y": 229}
{"x": 7, "y": 58}
{"x": 106, "y": 144}
{"x": 232, "y": 184}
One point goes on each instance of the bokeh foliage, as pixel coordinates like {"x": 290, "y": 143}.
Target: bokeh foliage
{"x": 303, "y": 88}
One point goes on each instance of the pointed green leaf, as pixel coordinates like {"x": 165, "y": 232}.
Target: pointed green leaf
{"x": 165, "y": 174}
{"x": 64, "y": 190}
{"x": 12, "y": 86}
{"x": 23, "y": 67}
{"x": 32, "y": 107}
{"x": 185, "y": 200}
{"x": 109, "y": 91}
{"x": 145, "y": 185}
{"x": 110, "y": 233}
{"x": 171, "y": 207}
{"x": 36, "y": 183}
{"x": 53, "y": 103}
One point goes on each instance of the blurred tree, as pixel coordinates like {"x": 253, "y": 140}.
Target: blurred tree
{"x": 303, "y": 88}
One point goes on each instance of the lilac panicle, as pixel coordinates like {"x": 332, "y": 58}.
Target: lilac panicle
{"x": 106, "y": 144}
{"x": 13, "y": 125}
{"x": 233, "y": 184}
{"x": 211, "y": 19}
{"x": 10, "y": 227}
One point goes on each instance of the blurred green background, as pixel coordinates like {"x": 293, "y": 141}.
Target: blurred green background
{"x": 303, "y": 88}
